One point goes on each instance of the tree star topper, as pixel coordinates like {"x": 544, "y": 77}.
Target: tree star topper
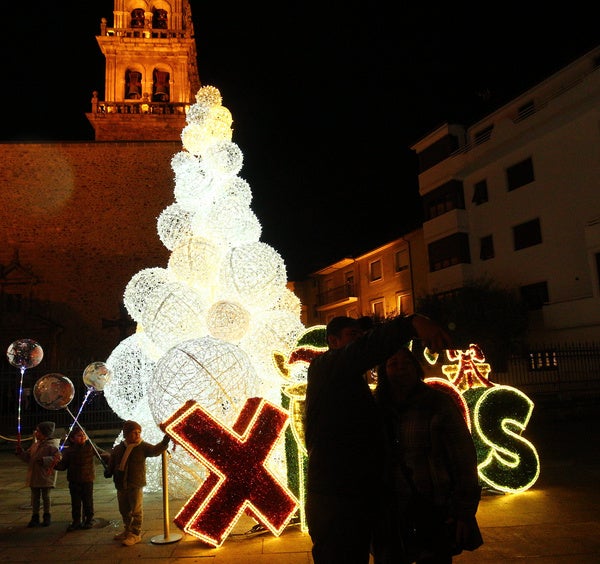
{"x": 238, "y": 479}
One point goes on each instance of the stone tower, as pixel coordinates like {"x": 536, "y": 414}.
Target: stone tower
{"x": 151, "y": 72}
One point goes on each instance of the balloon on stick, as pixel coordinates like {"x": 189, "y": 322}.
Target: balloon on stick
{"x": 24, "y": 354}
{"x": 96, "y": 375}
{"x": 55, "y": 391}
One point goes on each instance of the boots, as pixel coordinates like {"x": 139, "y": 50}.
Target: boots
{"x": 46, "y": 520}
{"x": 35, "y": 521}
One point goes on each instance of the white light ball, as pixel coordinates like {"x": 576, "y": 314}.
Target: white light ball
{"x": 209, "y": 96}
{"x": 224, "y": 158}
{"x": 174, "y": 225}
{"x": 238, "y": 188}
{"x": 229, "y": 221}
{"x": 255, "y": 273}
{"x": 173, "y": 313}
{"x": 140, "y": 287}
{"x": 131, "y": 368}
{"x": 270, "y": 332}
{"x": 217, "y": 375}
{"x": 195, "y": 261}
{"x": 288, "y": 301}
{"x": 227, "y": 321}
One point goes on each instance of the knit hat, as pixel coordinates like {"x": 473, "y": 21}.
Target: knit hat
{"x": 129, "y": 426}
{"x": 46, "y": 428}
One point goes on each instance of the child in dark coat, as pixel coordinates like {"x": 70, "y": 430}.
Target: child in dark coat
{"x": 41, "y": 477}
{"x": 127, "y": 466}
{"x": 78, "y": 459}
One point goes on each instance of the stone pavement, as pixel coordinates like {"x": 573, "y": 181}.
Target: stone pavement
{"x": 556, "y": 521}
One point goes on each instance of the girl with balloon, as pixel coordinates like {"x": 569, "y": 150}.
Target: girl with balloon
{"x": 40, "y": 476}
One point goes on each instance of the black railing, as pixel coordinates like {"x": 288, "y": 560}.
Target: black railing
{"x": 94, "y": 414}
{"x": 336, "y": 294}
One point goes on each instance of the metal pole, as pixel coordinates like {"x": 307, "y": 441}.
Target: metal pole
{"x": 166, "y": 537}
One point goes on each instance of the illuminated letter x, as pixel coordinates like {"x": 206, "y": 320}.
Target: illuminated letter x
{"x": 238, "y": 479}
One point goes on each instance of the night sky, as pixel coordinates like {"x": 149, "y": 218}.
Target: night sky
{"x": 325, "y": 101}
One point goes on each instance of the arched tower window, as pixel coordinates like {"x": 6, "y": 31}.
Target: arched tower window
{"x": 161, "y": 89}
{"x": 133, "y": 85}
{"x": 137, "y": 18}
{"x": 159, "y": 19}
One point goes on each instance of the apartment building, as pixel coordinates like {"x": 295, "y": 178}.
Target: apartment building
{"x": 379, "y": 283}
{"x": 513, "y": 198}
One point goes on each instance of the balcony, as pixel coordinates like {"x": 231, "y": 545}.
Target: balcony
{"x": 336, "y": 297}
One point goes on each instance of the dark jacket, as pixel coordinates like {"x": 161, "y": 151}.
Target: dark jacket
{"x": 134, "y": 475}
{"x": 343, "y": 427}
{"x": 79, "y": 462}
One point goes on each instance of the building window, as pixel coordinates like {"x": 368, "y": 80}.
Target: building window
{"x": 543, "y": 360}
{"x": 520, "y": 174}
{"x": 404, "y": 304}
{"x": 486, "y": 248}
{"x": 375, "y": 271}
{"x": 401, "y": 261}
{"x": 527, "y": 234}
{"x": 449, "y": 251}
{"x": 161, "y": 89}
{"x": 525, "y": 110}
{"x": 483, "y": 135}
{"x": 535, "y": 295}
{"x": 159, "y": 19}
{"x": 133, "y": 85}
{"x": 480, "y": 193}
{"x": 349, "y": 281}
{"x": 378, "y": 310}
{"x": 138, "y": 18}
{"x": 447, "y": 197}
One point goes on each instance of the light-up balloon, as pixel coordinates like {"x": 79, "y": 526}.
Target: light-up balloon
{"x": 96, "y": 375}
{"x": 25, "y": 353}
{"x": 54, "y": 391}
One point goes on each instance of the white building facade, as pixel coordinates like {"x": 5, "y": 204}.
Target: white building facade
{"x": 515, "y": 198}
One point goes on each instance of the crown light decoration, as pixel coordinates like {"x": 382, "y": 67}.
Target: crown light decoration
{"x": 238, "y": 480}
{"x": 208, "y": 321}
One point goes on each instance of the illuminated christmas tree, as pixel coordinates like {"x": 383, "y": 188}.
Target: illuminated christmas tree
{"x": 210, "y": 321}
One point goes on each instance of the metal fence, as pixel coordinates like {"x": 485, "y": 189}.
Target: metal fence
{"x": 555, "y": 372}
{"x": 94, "y": 414}
{"x": 545, "y": 372}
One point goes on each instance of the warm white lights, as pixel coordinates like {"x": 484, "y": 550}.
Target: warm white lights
{"x": 210, "y": 322}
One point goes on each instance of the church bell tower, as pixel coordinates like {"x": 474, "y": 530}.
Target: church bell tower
{"x": 151, "y": 72}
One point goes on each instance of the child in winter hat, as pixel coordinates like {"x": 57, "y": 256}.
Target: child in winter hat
{"x": 41, "y": 476}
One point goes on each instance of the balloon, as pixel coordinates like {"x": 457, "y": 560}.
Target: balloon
{"x": 96, "y": 375}
{"x": 54, "y": 391}
{"x": 25, "y": 353}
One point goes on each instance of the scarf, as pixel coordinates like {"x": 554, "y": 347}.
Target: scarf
{"x": 130, "y": 447}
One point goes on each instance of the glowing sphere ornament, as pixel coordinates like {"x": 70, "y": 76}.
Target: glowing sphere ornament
{"x": 193, "y": 261}
{"x": 131, "y": 367}
{"x": 218, "y": 375}
{"x": 174, "y": 225}
{"x": 255, "y": 273}
{"x": 227, "y": 321}
{"x": 53, "y": 391}
{"x": 224, "y": 158}
{"x": 25, "y": 353}
{"x": 140, "y": 288}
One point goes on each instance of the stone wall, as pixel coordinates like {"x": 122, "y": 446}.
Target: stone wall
{"x": 82, "y": 217}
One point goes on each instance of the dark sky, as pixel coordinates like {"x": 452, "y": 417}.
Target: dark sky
{"x": 326, "y": 101}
